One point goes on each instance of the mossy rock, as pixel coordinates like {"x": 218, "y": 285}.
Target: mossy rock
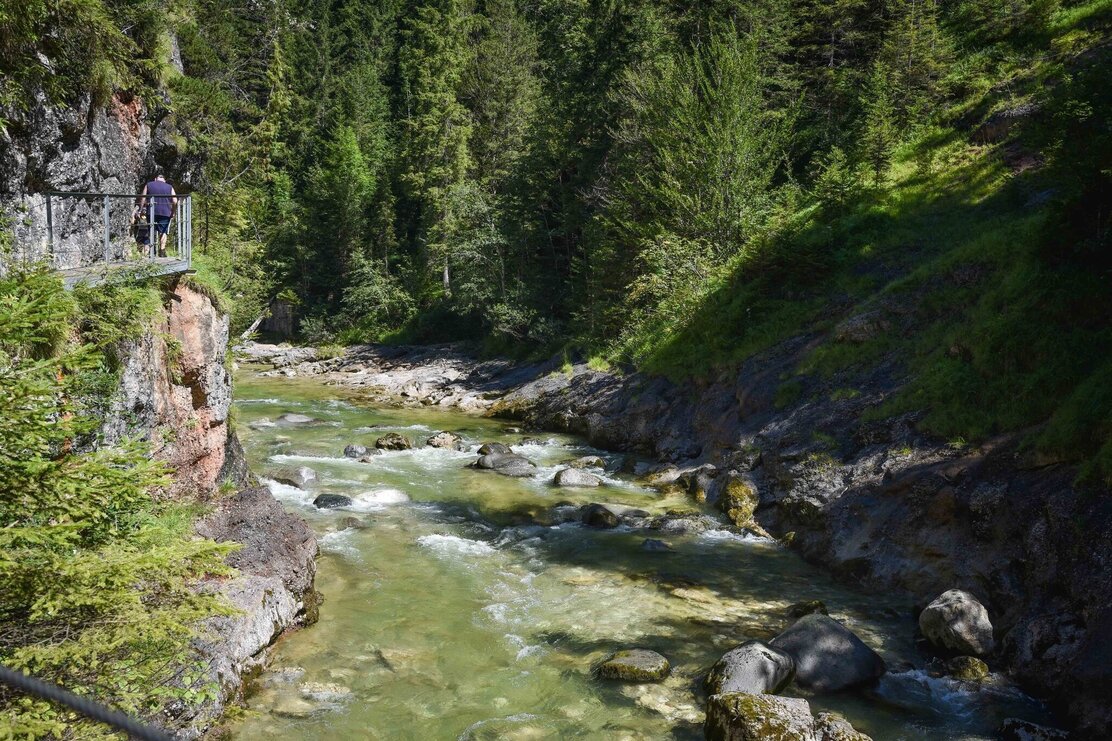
{"x": 739, "y": 716}
{"x": 807, "y": 607}
{"x": 635, "y": 665}
{"x": 967, "y": 668}
{"x": 739, "y": 500}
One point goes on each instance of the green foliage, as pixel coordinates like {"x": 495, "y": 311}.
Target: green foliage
{"x": 94, "y": 574}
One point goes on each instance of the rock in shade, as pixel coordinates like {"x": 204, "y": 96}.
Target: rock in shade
{"x": 299, "y": 477}
{"x": 652, "y": 545}
{"x": 828, "y": 656}
{"x": 753, "y": 667}
{"x": 355, "y": 451}
{"x": 807, "y": 607}
{"x": 1014, "y": 729}
{"x": 575, "y": 477}
{"x": 446, "y": 440}
{"x": 740, "y": 716}
{"x": 601, "y": 516}
{"x": 393, "y": 441}
{"x": 833, "y": 727}
{"x": 635, "y": 665}
{"x": 331, "y": 501}
{"x": 488, "y": 448}
{"x": 587, "y": 461}
{"x": 968, "y": 668}
{"x": 956, "y": 621}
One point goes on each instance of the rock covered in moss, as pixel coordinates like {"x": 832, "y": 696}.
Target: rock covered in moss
{"x": 575, "y": 477}
{"x": 635, "y": 665}
{"x": 738, "y": 499}
{"x": 393, "y": 441}
{"x": 753, "y": 667}
{"x": 740, "y": 716}
{"x": 968, "y": 668}
{"x": 828, "y": 656}
{"x": 956, "y": 621}
{"x": 587, "y": 461}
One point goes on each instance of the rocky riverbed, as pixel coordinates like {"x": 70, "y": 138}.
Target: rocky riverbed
{"x": 879, "y": 503}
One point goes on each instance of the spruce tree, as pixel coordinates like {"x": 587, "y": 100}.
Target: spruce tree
{"x": 879, "y": 129}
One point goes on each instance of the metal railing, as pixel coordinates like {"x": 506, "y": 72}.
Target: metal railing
{"x": 128, "y": 236}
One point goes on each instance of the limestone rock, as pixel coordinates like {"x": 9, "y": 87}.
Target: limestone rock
{"x": 740, "y": 716}
{"x": 956, "y": 621}
{"x": 507, "y": 464}
{"x": 393, "y": 441}
{"x": 299, "y": 477}
{"x": 968, "y": 668}
{"x": 291, "y": 418}
{"x": 446, "y": 440}
{"x": 331, "y": 501}
{"x": 828, "y": 656}
{"x": 833, "y": 727}
{"x": 600, "y": 516}
{"x": 635, "y": 665}
{"x": 587, "y": 461}
{"x": 575, "y": 477}
{"x": 488, "y": 448}
{"x": 355, "y": 451}
{"x": 753, "y": 667}
{"x": 738, "y": 499}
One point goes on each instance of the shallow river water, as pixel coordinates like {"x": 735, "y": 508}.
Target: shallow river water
{"x": 451, "y": 612}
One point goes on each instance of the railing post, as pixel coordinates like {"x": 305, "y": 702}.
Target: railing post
{"x": 151, "y": 250}
{"x": 106, "y": 230}
{"x": 178, "y": 246}
{"x": 50, "y": 226}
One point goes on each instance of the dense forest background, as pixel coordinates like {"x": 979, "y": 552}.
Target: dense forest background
{"x": 655, "y": 184}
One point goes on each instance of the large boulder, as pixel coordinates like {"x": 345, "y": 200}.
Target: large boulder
{"x": 740, "y": 716}
{"x": 955, "y": 621}
{"x": 507, "y": 464}
{"x": 446, "y": 440}
{"x": 488, "y": 448}
{"x": 828, "y": 656}
{"x": 355, "y": 451}
{"x": 587, "y": 461}
{"x": 575, "y": 477}
{"x": 393, "y": 441}
{"x": 753, "y": 667}
{"x": 600, "y": 516}
{"x": 331, "y": 501}
{"x": 299, "y": 477}
{"x": 635, "y": 665}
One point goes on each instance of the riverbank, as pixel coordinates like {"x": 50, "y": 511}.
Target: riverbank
{"x": 875, "y": 501}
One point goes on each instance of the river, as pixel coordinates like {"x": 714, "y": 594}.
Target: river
{"x": 456, "y": 606}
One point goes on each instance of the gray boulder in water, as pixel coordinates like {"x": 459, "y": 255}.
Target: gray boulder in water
{"x": 445, "y": 440}
{"x": 575, "y": 477}
{"x": 488, "y": 448}
{"x": 299, "y": 477}
{"x": 355, "y": 451}
{"x": 828, "y": 656}
{"x": 957, "y": 622}
{"x": 635, "y": 665}
{"x": 289, "y": 418}
{"x": 331, "y": 501}
{"x": 753, "y": 667}
{"x": 600, "y": 516}
{"x": 393, "y": 441}
{"x": 510, "y": 464}
{"x": 587, "y": 461}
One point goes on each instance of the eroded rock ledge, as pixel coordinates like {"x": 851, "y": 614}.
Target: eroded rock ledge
{"x": 878, "y": 502}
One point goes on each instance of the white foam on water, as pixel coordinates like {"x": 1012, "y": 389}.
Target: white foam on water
{"x": 286, "y": 493}
{"x": 339, "y": 541}
{"x": 728, "y": 536}
{"x": 452, "y": 545}
{"x": 326, "y": 459}
{"x": 258, "y": 401}
{"x": 946, "y": 695}
{"x": 384, "y": 428}
{"x": 377, "y": 499}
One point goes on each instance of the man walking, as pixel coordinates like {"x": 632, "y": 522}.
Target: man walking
{"x": 164, "y": 201}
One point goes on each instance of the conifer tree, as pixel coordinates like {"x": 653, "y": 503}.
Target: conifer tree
{"x": 879, "y": 133}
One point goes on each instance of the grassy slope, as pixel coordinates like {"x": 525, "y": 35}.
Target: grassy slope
{"x": 962, "y": 249}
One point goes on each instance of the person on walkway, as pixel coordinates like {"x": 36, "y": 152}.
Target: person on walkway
{"x": 164, "y": 200}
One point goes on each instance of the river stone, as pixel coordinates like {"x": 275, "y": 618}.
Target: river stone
{"x": 369, "y": 456}
{"x": 507, "y": 464}
{"x": 355, "y": 451}
{"x": 833, "y": 727}
{"x": 299, "y": 477}
{"x": 689, "y": 523}
{"x": 739, "y": 716}
{"x": 393, "y": 441}
{"x": 351, "y": 523}
{"x": 1015, "y": 729}
{"x": 587, "y": 461}
{"x": 289, "y": 418}
{"x": 828, "y": 656}
{"x": 575, "y": 477}
{"x": 968, "y": 668}
{"x": 488, "y": 448}
{"x": 652, "y": 545}
{"x": 738, "y": 499}
{"x": 323, "y": 691}
{"x": 956, "y": 621}
{"x": 753, "y": 667}
{"x": 446, "y": 440}
{"x": 331, "y": 501}
{"x": 808, "y": 607}
{"x": 599, "y": 515}
{"x": 635, "y": 665}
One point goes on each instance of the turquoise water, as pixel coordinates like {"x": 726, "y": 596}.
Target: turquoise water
{"x": 457, "y": 607}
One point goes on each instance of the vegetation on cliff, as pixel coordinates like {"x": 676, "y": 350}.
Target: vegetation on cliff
{"x": 95, "y": 575}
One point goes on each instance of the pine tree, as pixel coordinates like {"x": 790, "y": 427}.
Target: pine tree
{"x": 879, "y": 134}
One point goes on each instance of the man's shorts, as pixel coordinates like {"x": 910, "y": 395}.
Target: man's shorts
{"x": 162, "y": 224}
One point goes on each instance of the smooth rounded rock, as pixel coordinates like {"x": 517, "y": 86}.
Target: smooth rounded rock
{"x": 575, "y": 478}
{"x": 753, "y": 667}
{"x": 290, "y": 418}
{"x": 507, "y": 464}
{"x": 652, "y": 545}
{"x": 635, "y": 665}
{"x": 299, "y": 477}
{"x": 488, "y": 448}
{"x": 393, "y": 441}
{"x": 600, "y": 516}
{"x": 331, "y": 501}
{"x": 355, "y": 451}
{"x": 956, "y": 621}
{"x": 828, "y": 656}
